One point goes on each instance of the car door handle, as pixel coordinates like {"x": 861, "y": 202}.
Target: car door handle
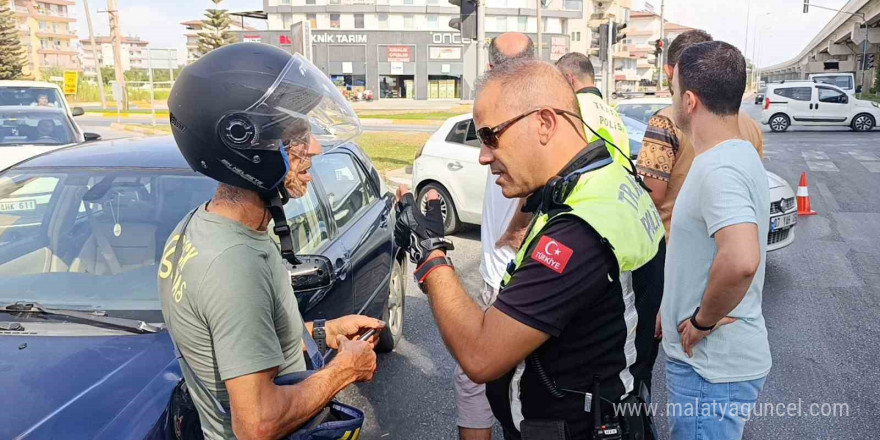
{"x": 811, "y": 106}
{"x": 454, "y": 166}
{"x": 816, "y": 106}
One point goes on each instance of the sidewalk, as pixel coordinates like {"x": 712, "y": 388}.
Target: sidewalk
{"x": 400, "y": 176}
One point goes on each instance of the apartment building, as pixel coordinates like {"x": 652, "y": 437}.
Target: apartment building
{"x": 45, "y": 29}
{"x": 132, "y": 51}
{"x": 405, "y": 48}
{"x": 193, "y": 27}
{"x": 644, "y": 30}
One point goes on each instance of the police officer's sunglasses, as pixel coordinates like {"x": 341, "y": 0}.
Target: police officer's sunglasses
{"x": 489, "y": 135}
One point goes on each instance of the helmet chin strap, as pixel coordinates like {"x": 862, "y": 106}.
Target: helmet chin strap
{"x": 275, "y": 201}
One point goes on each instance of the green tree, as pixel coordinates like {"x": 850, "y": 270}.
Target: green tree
{"x": 216, "y": 29}
{"x": 12, "y": 56}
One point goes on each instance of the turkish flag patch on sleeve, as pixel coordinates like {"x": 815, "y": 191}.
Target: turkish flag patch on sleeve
{"x": 552, "y": 254}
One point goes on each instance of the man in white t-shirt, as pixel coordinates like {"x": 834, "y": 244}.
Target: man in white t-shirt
{"x": 474, "y": 416}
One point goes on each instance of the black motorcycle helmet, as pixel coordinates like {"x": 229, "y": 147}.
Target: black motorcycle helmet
{"x": 236, "y": 110}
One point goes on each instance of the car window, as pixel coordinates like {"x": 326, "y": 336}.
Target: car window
{"x": 345, "y": 184}
{"x": 459, "y": 132}
{"x": 91, "y": 238}
{"x": 31, "y": 96}
{"x": 796, "y": 93}
{"x": 640, "y": 112}
{"x": 471, "y": 137}
{"x": 308, "y": 223}
{"x": 22, "y": 126}
{"x": 832, "y": 96}
{"x": 843, "y": 81}
{"x": 23, "y": 204}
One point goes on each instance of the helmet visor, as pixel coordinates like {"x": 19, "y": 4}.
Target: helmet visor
{"x": 301, "y": 102}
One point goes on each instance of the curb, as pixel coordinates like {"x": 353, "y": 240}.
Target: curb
{"x": 138, "y": 129}
{"x": 399, "y": 176}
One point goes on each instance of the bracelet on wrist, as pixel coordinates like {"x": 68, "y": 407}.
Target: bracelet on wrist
{"x": 697, "y": 325}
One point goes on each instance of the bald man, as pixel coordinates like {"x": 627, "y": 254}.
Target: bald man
{"x": 474, "y": 416}
{"x": 565, "y": 318}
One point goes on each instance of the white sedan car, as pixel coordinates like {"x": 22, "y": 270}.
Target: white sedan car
{"x": 449, "y": 163}
{"x": 29, "y": 131}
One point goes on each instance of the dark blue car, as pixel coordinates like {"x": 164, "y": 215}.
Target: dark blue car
{"x": 83, "y": 351}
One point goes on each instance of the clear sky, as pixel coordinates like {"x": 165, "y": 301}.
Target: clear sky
{"x": 783, "y": 33}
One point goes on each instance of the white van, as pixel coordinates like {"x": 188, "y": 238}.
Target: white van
{"x": 811, "y": 103}
{"x": 843, "y": 81}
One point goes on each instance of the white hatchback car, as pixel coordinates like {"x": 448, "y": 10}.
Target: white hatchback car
{"x": 810, "y": 103}
{"x": 449, "y": 163}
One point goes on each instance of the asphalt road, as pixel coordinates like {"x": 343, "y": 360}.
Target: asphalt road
{"x": 821, "y": 304}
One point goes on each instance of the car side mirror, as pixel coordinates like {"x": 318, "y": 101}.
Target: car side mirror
{"x": 77, "y": 111}
{"x": 91, "y": 137}
{"x": 315, "y": 272}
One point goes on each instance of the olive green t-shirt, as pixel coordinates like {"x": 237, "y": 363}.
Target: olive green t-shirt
{"x": 230, "y": 308}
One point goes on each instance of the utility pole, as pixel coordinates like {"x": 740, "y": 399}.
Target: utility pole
{"x": 116, "y": 39}
{"x": 481, "y": 36}
{"x": 609, "y": 65}
{"x": 661, "y": 55}
{"x": 95, "y": 55}
{"x": 748, "y": 14}
{"x": 540, "y": 27}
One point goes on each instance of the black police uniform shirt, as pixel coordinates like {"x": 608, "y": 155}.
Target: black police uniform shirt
{"x": 579, "y": 303}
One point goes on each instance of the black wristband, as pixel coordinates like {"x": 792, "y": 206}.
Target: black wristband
{"x": 427, "y": 267}
{"x": 698, "y": 326}
{"x": 319, "y": 334}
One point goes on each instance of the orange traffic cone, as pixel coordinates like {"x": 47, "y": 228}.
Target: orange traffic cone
{"x": 803, "y": 197}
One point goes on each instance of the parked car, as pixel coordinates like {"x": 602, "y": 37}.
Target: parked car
{"x": 82, "y": 229}
{"x": 29, "y": 131}
{"x": 810, "y": 103}
{"x": 759, "y": 97}
{"x": 27, "y": 93}
{"x": 449, "y": 163}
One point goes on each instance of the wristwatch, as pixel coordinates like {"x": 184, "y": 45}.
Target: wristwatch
{"x": 421, "y": 273}
{"x": 698, "y": 326}
{"x": 319, "y": 334}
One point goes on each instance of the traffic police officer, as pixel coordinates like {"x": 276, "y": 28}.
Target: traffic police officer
{"x": 565, "y": 326}
{"x": 601, "y": 119}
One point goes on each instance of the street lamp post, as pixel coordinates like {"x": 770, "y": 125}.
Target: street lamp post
{"x": 755, "y": 47}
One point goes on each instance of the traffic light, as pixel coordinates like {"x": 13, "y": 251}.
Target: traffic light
{"x": 603, "y": 42}
{"x": 466, "y": 22}
{"x": 618, "y": 32}
{"x": 806, "y": 6}
{"x": 658, "y": 46}
{"x": 595, "y": 48}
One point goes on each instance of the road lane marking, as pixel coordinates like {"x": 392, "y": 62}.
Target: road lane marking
{"x": 816, "y": 165}
{"x": 814, "y": 155}
{"x": 873, "y": 167}
{"x": 862, "y": 156}
{"x": 828, "y": 197}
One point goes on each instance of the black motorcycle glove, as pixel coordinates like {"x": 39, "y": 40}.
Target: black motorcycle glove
{"x": 419, "y": 234}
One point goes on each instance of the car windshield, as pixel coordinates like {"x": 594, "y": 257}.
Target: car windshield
{"x": 640, "y": 112}
{"x": 21, "y": 125}
{"x": 90, "y": 238}
{"x": 844, "y": 82}
{"x": 31, "y": 96}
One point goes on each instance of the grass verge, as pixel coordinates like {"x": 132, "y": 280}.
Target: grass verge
{"x": 415, "y": 115}
{"x": 392, "y": 150}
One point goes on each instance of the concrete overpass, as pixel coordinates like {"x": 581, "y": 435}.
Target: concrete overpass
{"x": 837, "y": 47}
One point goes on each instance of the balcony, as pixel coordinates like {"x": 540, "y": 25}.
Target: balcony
{"x": 55, "y": 35}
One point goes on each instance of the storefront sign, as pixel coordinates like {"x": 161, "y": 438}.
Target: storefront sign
{"x": 448, "y": 38}
{"x": 252, "y": 39}
{"x": 444, "y": 53}
{"x": 284, "y": 40}
{"x": 396, "y": 68}
{"x": 557, "y": 48}
{"x": 402, "y": 54}
{"x": 339, "y": 38}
